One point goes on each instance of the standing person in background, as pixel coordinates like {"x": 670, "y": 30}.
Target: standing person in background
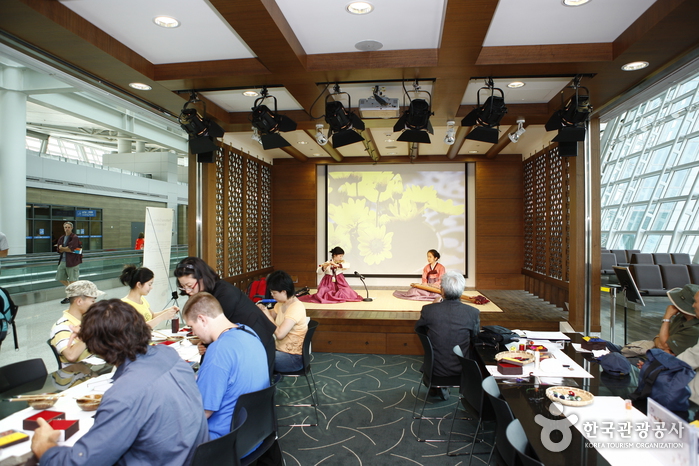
{"x": 70, "y": 249}
{"x": 431, "y": 275}
{"x": 140, "y": 241}
{"x": 195, "y": 275}
{"x": 140, "y": 283}
{"x": 333, "y": 288}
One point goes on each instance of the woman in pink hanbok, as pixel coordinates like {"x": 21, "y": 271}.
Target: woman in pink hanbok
{"x": 431, "y": 276}
{"x": 333, "y": 288}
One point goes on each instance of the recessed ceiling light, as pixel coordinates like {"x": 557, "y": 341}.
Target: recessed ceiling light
{"x": 575, "y": 2}
{"x": 316, "y": 155}
{"x": 140, "y": 86}
{"x": 360, "y": 8}
{"x": 515, "y": 84}
{"x": 391, "y": 153}
{"x": 391, "y": 147}
{"x": 251, "y": 93}
{"x": 389, "y": 140}
{"x": 166, "y": 21}
{"x": 635, "y": 65}
{"x": 473, "y": 152}
{"x": 303, "y": 142}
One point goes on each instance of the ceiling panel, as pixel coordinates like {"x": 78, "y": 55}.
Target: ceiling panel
{"x": 235, "y": 101}
{"x": 535, "y": 90}
{"x": 325, "y": 26}
{"x": 555, "y": 23}
{"x": 201, "y": 36}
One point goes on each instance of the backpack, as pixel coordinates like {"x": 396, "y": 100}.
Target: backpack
{"x": 8, "y": 312}
{"x": 495, "y": 336}
{"x": 257, "y": 289}
{"x": 665, "y": 379}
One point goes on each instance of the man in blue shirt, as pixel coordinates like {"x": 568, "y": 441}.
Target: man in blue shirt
{"x": 152, "y": 414}
{"x": 235, "y": 363}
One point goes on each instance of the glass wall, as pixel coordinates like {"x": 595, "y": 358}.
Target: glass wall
{"x": 45, "y": 226}
{"x": 650, "y": 173}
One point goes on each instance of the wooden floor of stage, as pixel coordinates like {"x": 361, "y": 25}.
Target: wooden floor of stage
{"x": 392, "y": 332}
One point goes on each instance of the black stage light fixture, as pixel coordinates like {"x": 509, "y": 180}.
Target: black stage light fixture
{"x": 571, "y": 119}
{"x": 415, "y": 121}
{"x": 343, "y": 123}
{"x": 201, "y": 130}
{"x": 485, "y": 119}
{"x": 270, "y": 123}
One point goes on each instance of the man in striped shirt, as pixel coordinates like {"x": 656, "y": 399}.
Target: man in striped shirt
{"x": 81, "y": 295}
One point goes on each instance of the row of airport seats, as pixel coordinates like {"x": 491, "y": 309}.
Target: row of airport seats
{"x": 656, "y": 280}
{"x": 626, "y": 257}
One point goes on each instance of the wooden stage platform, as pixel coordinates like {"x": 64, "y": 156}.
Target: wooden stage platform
{"x": 344, "y": 329}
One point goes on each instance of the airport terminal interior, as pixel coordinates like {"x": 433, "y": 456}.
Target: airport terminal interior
{"x": 535, "y": 144}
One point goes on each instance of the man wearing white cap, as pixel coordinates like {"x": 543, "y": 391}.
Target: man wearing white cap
{"x": 81, "y": 295}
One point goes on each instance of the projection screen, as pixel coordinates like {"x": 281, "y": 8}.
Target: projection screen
{"x": 386, "y": 217}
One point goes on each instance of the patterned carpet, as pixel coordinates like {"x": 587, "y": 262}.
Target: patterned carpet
{"x": 365, "y": 415}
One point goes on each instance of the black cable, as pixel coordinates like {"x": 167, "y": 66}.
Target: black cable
{"x": 310, "y": 110}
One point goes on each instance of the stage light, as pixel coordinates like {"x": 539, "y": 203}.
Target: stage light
{"x": 343, "y": 123}
{"x": 486, "y": 118}
{"x": 320, "y": 137}
{"x": 415, "y": 121}
{"x": 571, "y": 119}
{"x": 450, "y": 136}
{"x": 202, "y": 131}
{"x": 514, "y": 137}
{"x": 269, "y": 123}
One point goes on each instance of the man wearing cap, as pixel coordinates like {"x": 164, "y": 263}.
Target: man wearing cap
{"x": 679, "y": 328}
{"x": 689, "y": 294}
{"x": 70, "y": 249}
{"x": 81, "y": 295}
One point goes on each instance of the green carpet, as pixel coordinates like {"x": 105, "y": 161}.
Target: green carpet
{"x": 365, "y": 415}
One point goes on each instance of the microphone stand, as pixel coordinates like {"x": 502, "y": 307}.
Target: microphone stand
{"x": 361, "y": 277}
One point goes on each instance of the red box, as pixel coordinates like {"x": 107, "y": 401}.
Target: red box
{"x": 67, "y": 428}
{"x": 509, "y": 369}
{"x": 48, "y": 416}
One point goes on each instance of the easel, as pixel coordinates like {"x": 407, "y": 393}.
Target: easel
{"x": 630, "y": 290}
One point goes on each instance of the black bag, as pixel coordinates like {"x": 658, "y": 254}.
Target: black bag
{"x": 8, "y": 312}
{"x": 665, "y": 379}
{"x": 495, "y": 336}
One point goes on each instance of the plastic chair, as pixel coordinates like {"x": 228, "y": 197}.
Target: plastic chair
{"x": 693, "y": 270}
{"x": 430, "y": 381}
{"x": 681, "y": 258}
{"x": 639, "y": 258}
{"x": 221, "y": 451}
{"x": 662, "y": 258}
{"x": 55, "y": 353}
{"x": 631, "y": 252}
{"x": 503, "y": 417}
{"x": 472, "y": 399}
{"x": 648, "y": 279}
{"x": 20, "y": 373}
{"x": 608, "y": 262}
{"x": 674, "y": 275}
{"x": 621, "y": 259}
{"x": 315, "y": 402}
{"x": 518, "y": 440}
{"x": 261, "y": 428}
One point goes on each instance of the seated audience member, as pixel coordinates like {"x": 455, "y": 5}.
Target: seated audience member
{"x": 289, "y": 316}
{"x": 235, "y": 363}
{"x": 152, "y": 414}
{"x": 195, "y": 275}
{"x": 679, "y": 329}
{"x": 81, "y": 295}
{"x": 691, "y": 355}
{"x": 449, "y": 323}
{"x": 140, "y": 282}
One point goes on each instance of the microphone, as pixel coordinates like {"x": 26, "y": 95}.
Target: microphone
{"x": 361, "y": 277}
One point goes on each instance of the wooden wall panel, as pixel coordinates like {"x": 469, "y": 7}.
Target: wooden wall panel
{"x": 294, "y": 210}
{"x": 499, "y": 217}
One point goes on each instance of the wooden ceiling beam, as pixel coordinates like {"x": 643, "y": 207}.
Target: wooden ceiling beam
{"x": 214, "y": 68}
{"x": 328, "y": 148}
{"x": 503, "y": 142}
{"x": 459, "y": 139}
{"x": 375, "y": 59}
{"x": 295, "y": 153}
{"x": 555, "y": 53}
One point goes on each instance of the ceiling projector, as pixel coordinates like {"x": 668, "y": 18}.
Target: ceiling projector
{"x": 371, "y": 108}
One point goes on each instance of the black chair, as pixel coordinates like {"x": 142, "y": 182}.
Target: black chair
{"x": 503, "y": 417}
{"x": 223, "y": 450}
{"x": 472, "y": 399}
{"x": 621, "y": 259}
{"x": 693, "y": 270}
{"x": 674, "y": 275}
{"x": 608, "y": 263}
{"x": 20, "y": 373}
{"x": 648, "y": 279}
{"x": 315, "y": 402}
{"x": 639, "y": 258}
{"x": 518, "y": 440}
{"x": 261, "y": 428}
{"x": 662, "y": 258}
{"x": 631, "y": 252}
{"x": 430, "y": 381}
{"x": 681, "y": 258}
{"x": 55, "y": 353}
